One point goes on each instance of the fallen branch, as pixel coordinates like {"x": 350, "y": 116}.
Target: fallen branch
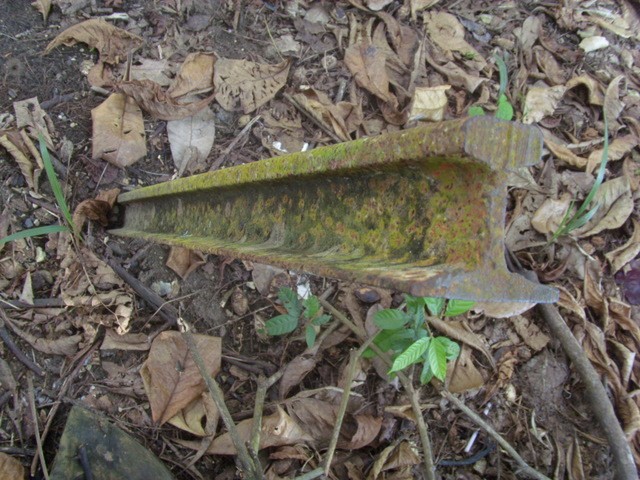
{"x": 8, "y": 341}
{"x": 34, "y": 419}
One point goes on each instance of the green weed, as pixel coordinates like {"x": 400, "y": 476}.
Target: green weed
{"x": 68, "y": 225}
{"x": 407, "y": 336}
{"x": 504, "y": 110}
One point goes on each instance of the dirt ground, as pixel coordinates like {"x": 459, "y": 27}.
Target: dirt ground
{"x": 89, "y": 332}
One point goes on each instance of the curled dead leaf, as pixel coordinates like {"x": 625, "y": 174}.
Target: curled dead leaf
{"x": 44, "y": 7}
{"x": 195, "y": 75}
{"x": 549, "y": 216}
{"x": 191, "y": 139}
{"x": 184, "y": 261}
{"x": 622, "y": 255}
{"x": 541, "y": 102}
{"x": 367, "y": 64}
{"x": 447, "y": 32}
{"x": 113, "y": 43}
{"x": 295, "y": 371}
{"x": 615, "y": 205}
{"x": 429, "y": 103}
{"x": 10, "y": 468}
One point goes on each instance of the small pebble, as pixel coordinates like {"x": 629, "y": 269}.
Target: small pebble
{"x": 367, "y": 295}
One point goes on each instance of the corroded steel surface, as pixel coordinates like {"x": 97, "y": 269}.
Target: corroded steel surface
{"x": 419, "y": 210}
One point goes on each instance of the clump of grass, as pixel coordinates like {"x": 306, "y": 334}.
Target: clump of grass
{"x": 68, "y": 225}
{"x": 582, "y": 216}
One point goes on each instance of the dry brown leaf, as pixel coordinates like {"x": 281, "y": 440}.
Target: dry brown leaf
{"x": 596, "y": 92}
{"x": 44, "y": 7}
{"x": 91, "y": 209}
{"x": 618, "y": 149}
{"x": 277, "y": 430}
{"x": 67, "y": 345}
{"x": 462, "y": 374}
{"x": 154, "y": 100}
{"x": 295, "y": 371}
{"x": 429, "y": 103}
{"x": 530, "y": 333}
{"x": 403, "y": 39}
{"x": 447, "y": 32}
{"x": 129, "y": 341}
{"x": 376, "y": 5}
{"x": 195, "y": 75}
{"x": 184, "y": 261}
{"x": 191, "y": 139}
{"x": 157, "y": 71}
{"x": 613, "y": 106}
{"x": 262, "y": 276}
{"x": 615, "y": 205}
{"x": 118, "y": 131}
{"x": 541, "y": 102}
{"x": 244, "y": 86}
{"x": 12, "y": 143}
{"x": 502, "y": 309}
{"x": 563, "y": 153}
{"x": 393, "y": 457}
{"x": 622, "y": 255}
{"x": 549, "y": 216}
{"x": 30, "y": 115}
{"x": 344, "y": 117}
{"x": 113, "y": 43}
{"x": 200, "y": 418}
{"x": 367, "y": 430}
{"x": 10, "y": 468}
{"x": 171, "y": 378}
{"x": 367, "y": 64}
{"x": 456, "y": 76}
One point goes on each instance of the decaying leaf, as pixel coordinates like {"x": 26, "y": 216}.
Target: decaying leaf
{"x": 184, "y": 261}
{"x": 367, "y": 64}
{"x": 157, "y": 71}
{"x": 596, "y": 92}
{"x": 118, "y": 131}
{"x": 618, "y": 149}
{"x": 244, "y": 86}
{"x": 66, "y": 345}
{"x": 191, "y": 139}
{"x": 199, "y": 418}
{"x": 91, "y": 209}
{"x": 563, "y": 153}
{"x": 613, "y": 106}
{"x": 622, "y": 255}
{"x": 44, "y": 7}
{"x": 13, "y": 144}
{"x": 502, "y": 309}
{"x": 549, "y": 216}
{"x": 195, "y": 75}
{"x": 615, "y": 205}
{"x": 462, "y": 374}
{"x": 530, "y": 333}
{"x": 113, "y": 43}
{"x": 394, "y": 457}
{"x": 295, "y": 371}
{"x": 30, "y": 115}
{"x": 171, "y": 378}
{"x": 541, "y": 102}
{"x": 376, "y": 5}
{"x": 154, "y": 100}
{"x": 10, "y": 468}
{"x": 447, "y": 32}
{"x": 429, "y": 103}
{"x": 277, "y": 430}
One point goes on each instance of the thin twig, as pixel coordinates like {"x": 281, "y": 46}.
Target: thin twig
{"x": 263, "y": 385}
{"x": 423, "y": 430}
{"x": 223, "y": 156}
{"x": 344, "y": 401}
{"x": 8, "y": 341}
{"x": 34, "y": 415}
{"x": 478, "y": 420}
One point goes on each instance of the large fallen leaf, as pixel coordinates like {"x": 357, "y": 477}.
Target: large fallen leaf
{"x": 404, "y": 39}
{"x": 171, "y": 378}
{"x": 367, "y": 64}
{"x": 184, "y": 261}
{"x": 195, "y": 75}
{"x": 618, "y": 149}
{"x": 113, "y": 43}
{"x": 191, "y": 139}
{"x": 429, "y": 103}
{"x": 447, "y": 32}
{"x": 619, "y": 257}
{"x": 118, "y": 131}
{"x": 295, "y": 371}
{"x": 549, "y": 216}
{"x": 541, "y": 102}
{"x": 10, "y": 468}
{"x": 154, "y": 70}
{"x": 154, "y": 100}
{"x": 530, "y": 333}
{"x": 66, "y": 345}
{"x": 456, "y": 76}
{"x": 615, "y": 204}
{"x": 462, "y": 373}
{"x": 563, "y": 153}
{"x": 244, "y": 86}
{"x": 277, "y": 430}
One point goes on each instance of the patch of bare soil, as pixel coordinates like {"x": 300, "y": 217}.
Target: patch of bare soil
{"x": 130, "y": 94}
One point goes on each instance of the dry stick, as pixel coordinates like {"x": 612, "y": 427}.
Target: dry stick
{"x": 406, "y": 384}
{"x": 601, "y": 406}
{"x": 223, "y": 156}
{"x": 263, "y": 385}
{"x": 344, "y": 401}
{"x": 250, "y": 469}
{"x": 8, "y": 341}
{"x": 34, "y": 414}
{"x": 526, "y": 469}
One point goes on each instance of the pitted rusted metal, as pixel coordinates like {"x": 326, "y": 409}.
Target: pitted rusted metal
{"x": 419, "y": 210}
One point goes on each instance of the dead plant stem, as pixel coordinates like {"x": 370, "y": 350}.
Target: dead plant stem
{"x": 263, "y": 385}
{"x": 34, "y": 416}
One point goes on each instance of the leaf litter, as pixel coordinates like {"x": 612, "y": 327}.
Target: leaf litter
{"x": 411, "y": 62}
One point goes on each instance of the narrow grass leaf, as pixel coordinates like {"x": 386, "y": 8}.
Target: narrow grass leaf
{"x": 34, "y": 232}
{"x": 437, "y": 356}
{"x": 504, "y": 75}
{"x": 411, "y": 355}
{"x": 281, "y": 325}
{"x": 458, "y": 307}
{"x": 55, "y": 184}
{"x": 390, "y": 319}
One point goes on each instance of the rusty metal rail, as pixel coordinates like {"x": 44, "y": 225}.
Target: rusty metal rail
{"x": 419, "y": 210}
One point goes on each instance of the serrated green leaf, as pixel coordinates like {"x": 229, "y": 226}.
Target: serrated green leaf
{"x": 458, "y": 307}
{"x": 426, "y": 375}
{"x": 434, "y": 304}
{"x": 437, "y": 356}
{"x": 505, "y": 109}
{"x": 390, "y": 319}
{"x": 311, "y": 306}
{"x": 34, "y": 232}
{"x": 310, "y": 335}
{"x": 411, "y": 355}
{"x": 290, "y": 300}
{"x": 476, "y": 111}
{"x": 281, "y": 325}
{"x": 321, "y": 320}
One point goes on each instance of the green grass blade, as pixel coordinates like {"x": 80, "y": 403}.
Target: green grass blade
{"x": 504, "y": 75}
{"x": 55, "y": 184}
{"x": 34, "y": 232}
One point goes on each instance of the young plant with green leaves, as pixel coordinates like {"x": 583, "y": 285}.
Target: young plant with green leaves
{"x": 68, "y": 225}
{"x": 406, "y": 334}
{"x": 308, "y": 310}
{"x": 504, "y": 110}
{"x": 583, "y": 214}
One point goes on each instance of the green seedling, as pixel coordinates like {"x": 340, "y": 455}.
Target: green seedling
{"x": 308, "y": 310}
{"x": 584, "y": 214}
{"x": 405, "y": 333}
{"x": 504, "y": 110}
{"x": 68, "y": 225}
